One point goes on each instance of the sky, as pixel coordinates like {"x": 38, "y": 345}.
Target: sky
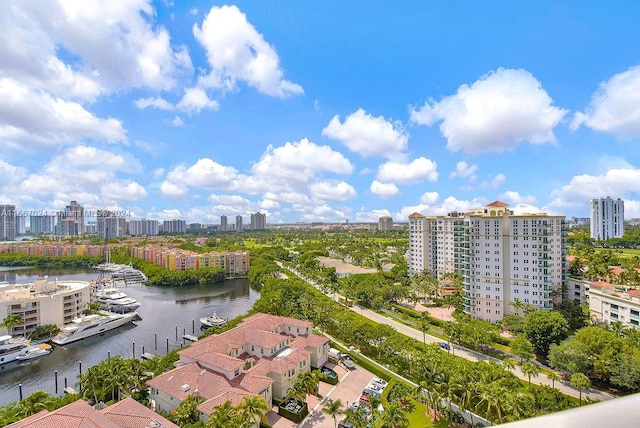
{"x": 318, "y": 111}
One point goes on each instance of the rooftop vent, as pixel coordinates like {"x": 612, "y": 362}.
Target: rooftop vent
{"x": 185, "y": 387}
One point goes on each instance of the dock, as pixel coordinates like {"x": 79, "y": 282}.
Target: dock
{"x": 190, "y": 337}
{"x": 69, "y": 390}
{"x": 148, "y": 356}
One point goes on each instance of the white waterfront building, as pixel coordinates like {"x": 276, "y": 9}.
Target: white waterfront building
{"x": 607, "y": 218}
{"x": 502, "y": 257}
{"x": 43, "y": 302}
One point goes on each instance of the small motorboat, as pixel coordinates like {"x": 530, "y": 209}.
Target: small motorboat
{"x": 33, "y": 352}
{"x": 212, "y": 321}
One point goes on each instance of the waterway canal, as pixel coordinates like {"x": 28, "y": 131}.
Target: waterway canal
{"x": 164, "y": 310}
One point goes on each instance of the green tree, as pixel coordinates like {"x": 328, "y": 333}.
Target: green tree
{"x": 33, "y": 403}
{"x": 553, "y": 377}
{"x": 544, "y": 328}
{"x": 11, "y": 321}
{"x": 625, "y": 371}
{"x": 92, "y": 308}
{"x": 521, "y": 347}
{"x": 253, "y": 409}
{"x": 187, "y": 412}
{"x": 333, "y": 408}
{"x": 580, "y": 382}
{"x": 223, "y": 416}
{"x": 395, "y": 416}
{"x": 530, "y": 369}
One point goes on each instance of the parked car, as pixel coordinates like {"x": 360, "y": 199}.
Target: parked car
{"x": 371, "y": 392}
{"x": 348, "y": 363}
{"x": 365, "y": 399}
{"x": 444, "y": 345}
{"x": 375, "y": 387}
{"x": 377, "y": 381}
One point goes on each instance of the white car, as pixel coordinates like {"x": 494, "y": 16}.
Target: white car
{"x": 375, "y": 387}
{"x": 381, "y": 382}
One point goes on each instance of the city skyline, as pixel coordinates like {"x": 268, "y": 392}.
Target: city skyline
{"x": 319, "y": 113}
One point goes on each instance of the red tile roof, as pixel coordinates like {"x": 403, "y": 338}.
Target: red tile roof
{"x": 128, "y": 413}
{"x": 498, "y": 204}
{"x": 235, "y": 397}
{"x": 415, "y": 215}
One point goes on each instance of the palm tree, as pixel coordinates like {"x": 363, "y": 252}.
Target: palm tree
{"x": 223, "y": 416}
{"x": 356, "y": 417}
{"x": 11, "y": 321}
{"x": 333, "y": 408}
{"x": 34, "y": 403}
{"x": 509, "y": 363}
{"x": 530, "y": 369}
{"x": 254, "y": 408}
{"x": 553, "y": 377}
{"x": 580, "y": 382}
{"x": 394, "y": 416}
{"x": 297, "y": 393}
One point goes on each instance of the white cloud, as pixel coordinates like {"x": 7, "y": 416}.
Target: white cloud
{"x": 429, "y": 198}
{"x": 498, "y": 180}
{"x": 494, "y": 114}
{"x": 340, "y": 191}
{"x": 416, "y": 171}
{"x": 196, "y": 99}
{"x": 384, "y": 190}
{"x": 237, "y": 52}
{"x": 123, "y": 191}
{"x": 139, "y": 53}
{"x": 172, "y": 190}
{"x": 368, "y": 135}
{"x": 463, "y": 169}
{"x": 617, "y": 183}
{"x": 169, "y": 214}
{"x": 516, "y": 198}
{"x": 35, "y": 117}
{"x": 615, "y": 106}
{"x": 228, "y": 199}
{"x": 296, "y": 164}
{"x": 293, "y": 198}
{"x": 177, "y": 122}
{"x": 371, "y": 216}
{"x": 155, "y": 102}
{"x": 205, "y": 174}
{"x": 193, "y": 11}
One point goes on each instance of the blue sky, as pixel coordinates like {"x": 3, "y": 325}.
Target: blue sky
{"x": 319, "y": 111}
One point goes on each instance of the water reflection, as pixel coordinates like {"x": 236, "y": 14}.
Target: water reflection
{"x": 167, "y": 313}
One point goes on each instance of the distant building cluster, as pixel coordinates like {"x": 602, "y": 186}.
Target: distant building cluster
{"x": 234, "y": 263}
{"x": 258, "y": 222}
{"x": 52, "y": 249}
{"x": 607, "y": 218}
{"x": 503, "y": 257}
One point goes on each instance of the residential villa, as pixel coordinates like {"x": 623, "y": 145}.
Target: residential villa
{"x": 262, "y": 356}
{"x": 127, "y": 413}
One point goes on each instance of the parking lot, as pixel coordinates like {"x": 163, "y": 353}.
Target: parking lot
{"x": 348, "y": 390}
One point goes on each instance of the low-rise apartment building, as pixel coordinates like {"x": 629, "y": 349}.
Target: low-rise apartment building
{"x": 610, "y": 303}
{"x": 234, "y": 263}
{"x": 43, "y": 302}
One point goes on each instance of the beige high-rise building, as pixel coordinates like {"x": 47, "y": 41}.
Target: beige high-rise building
{"x": 385, "y": 223}
{"x": 502, "y": 257}
{"x": 7, "y": 222}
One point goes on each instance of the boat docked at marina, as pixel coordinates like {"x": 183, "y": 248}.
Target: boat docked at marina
{"x": 113, "y": 300}
{"x": 212, "y": 321}
{"x": 91, "y": 325}
{"x": 17, "y": 348}
{"x": 128, "y": 275}
{"x": 35, "y": 351}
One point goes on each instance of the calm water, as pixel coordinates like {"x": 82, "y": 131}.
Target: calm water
{"x": 163, "y": 309}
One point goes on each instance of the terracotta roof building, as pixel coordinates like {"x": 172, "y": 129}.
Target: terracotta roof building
{"x": 127, "y": 413}
{"x": 262, "y": 356}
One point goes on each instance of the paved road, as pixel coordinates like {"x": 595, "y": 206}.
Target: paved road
{"x": 542, "y": 379}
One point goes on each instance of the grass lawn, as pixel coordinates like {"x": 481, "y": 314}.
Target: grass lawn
{"x": 419, "y": 419}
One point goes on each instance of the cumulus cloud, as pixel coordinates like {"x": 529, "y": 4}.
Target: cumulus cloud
{"x": 124, "y": 190}
{"x": 172, "y": 190}
{"x": 416, "y": 171}
{"x": 236, "y": 51}
{"x": 463, "y": 169}
{"x": 177, "y": 122}
{"x": 516, "y": 198}
{"x": 615, "y": 106}
{"x": 140, "y": 53}
{"x": 582, "y": 188}
{"x": 296, "y": 164}
{"x": 494, "y": 114}
{"x": 205, "y": 174}
{"x": 339, "y": 191}
{"x": 429, "y": 198}
{"x": 196, "y": 99}
{"x": 368, "y": 135}
{"x": 371, "y": 216}
{"x": 383, "y": 190}
{"x": 154, "y": 102}
{"x": 35, "y": 117}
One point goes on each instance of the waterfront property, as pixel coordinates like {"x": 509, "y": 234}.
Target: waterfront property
{"x": 123, "y": 414}
{"x": 233, "y": 262}
{"x": 262, "y": 356}
{"x": 43, "y": 302}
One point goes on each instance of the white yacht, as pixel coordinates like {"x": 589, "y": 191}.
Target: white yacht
{"x": 128, "y": 275}
{"x": 212, "y": 320}
{"x": 35, "y": 351}
{"x": 91, "y": 325}
{"x": 11, "y": 348}
{"x": 113, "y": 300}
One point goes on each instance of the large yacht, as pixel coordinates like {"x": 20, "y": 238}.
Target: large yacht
{"x": 90, "y": 325}
{"x": 128, "y": 275}
{"x": 113, "y": 300}
{"x": 211, "y": 321}
{"x": 18, "y": 348}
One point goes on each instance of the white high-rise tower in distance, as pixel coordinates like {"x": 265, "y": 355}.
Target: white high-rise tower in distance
{"x": 607, "y": 218}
